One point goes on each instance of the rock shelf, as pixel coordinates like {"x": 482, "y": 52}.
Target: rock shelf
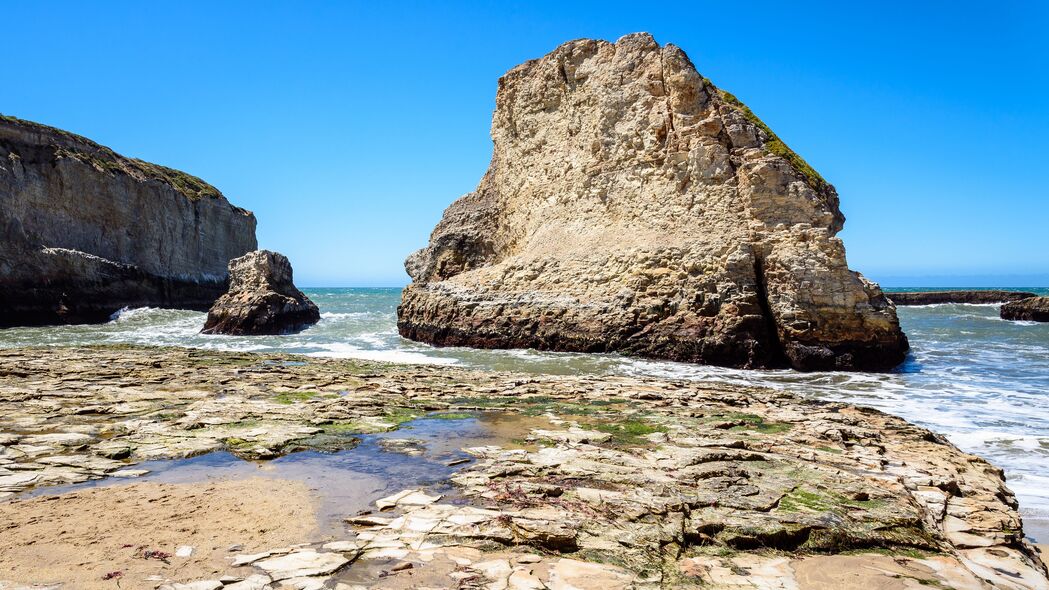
{"x": 978, "y": 297}
{"x": 635, "y": 483}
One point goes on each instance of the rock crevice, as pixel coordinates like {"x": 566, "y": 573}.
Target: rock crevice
{"x": 631, "y": 205}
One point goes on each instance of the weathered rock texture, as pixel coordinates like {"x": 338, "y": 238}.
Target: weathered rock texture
{"x": 679, "y": 484}
{"x": 262, "y": 299}
{"x": 1033, "y": 309}
{"x": 977, "y": 297}
{"x": 632, "y": 206}
{"x": 85, "y": 231}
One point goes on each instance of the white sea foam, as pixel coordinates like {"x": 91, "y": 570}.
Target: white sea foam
{"x": 342, "y": 350}
{"x": 127, "y": 314}
{"x": 981, "y": 381}
{"x": 377, "y": 339}
{"x": 328, "y": 315}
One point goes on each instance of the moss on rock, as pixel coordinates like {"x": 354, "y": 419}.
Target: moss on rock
{"x": 774, "y": 145}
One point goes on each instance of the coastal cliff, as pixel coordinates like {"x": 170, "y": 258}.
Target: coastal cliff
{"x": 632, "y": 206}
{"x": 85, "y": 231}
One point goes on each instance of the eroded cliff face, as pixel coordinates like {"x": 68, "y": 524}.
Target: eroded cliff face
{"x": 85, "y": 231}
{"x": 632, "y": 206}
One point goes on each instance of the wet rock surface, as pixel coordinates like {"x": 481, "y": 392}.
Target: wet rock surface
{"x": 631, "y": 205}
{"x": 85, "y": 231}
{"x": 262, "y": 299}
{"x": 1032, "y": 309}
{"x": 980, "y": 296}
{"x": 632, "y": 483}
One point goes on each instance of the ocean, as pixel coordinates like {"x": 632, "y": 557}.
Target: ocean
{"x": 981, "y": 381}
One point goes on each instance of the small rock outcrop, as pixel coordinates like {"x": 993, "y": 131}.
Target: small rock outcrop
{"x": 632, "y": 206}
{"x": 261, "y": 299}
{"x": 979, "y": 296}
{"x": 85, "y": 231}
{"x": 1032, "y": 309}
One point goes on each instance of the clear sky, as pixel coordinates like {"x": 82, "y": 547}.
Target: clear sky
{"x": 348, "y": 127}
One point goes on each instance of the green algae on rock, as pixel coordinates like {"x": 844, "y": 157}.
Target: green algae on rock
{"x": 703, "y": 476}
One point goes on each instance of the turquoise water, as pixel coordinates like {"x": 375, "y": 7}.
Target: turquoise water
{"x": 982, "y": 381}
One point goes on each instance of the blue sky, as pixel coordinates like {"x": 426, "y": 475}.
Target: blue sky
{"x": 349, "y": 127}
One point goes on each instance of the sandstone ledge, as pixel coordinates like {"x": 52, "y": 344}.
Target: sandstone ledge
{"x": 979, "y": 296}
{"x": 694, "y": 476}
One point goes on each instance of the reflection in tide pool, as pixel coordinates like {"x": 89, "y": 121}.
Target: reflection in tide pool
{"x": 981, "y": 381}
{"x": 422, "y": 453}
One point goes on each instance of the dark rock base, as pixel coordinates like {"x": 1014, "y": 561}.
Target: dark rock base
{"x": 751, "y": 343}
{"x": 262, "y": 299}
{"x": 271, "y": 314}
{"x": 848, "y": 357}
{"x": 96, "y": 302}
{"x": 1032, "y": 309}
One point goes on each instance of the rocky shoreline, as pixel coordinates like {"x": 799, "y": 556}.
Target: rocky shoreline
{"x": 980, "y": 296}
{"x": 633, "y": 483}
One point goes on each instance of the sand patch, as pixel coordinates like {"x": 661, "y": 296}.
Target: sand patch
{"x": 81, "y": 537}
{"x": 866, "y": 572}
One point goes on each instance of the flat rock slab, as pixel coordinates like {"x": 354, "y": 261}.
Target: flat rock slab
{"x": 301, "y": 564}
{"x": 201, "y": 585}
{"x": 406, "y": 498}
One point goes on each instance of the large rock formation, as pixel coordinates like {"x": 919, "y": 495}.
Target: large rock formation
{"x": 262, "y": 299}
{"x": 632, "y": 206}
{"x": 85, "y": 231}
{"x": 978, "y": 296}
{"x": 1032, "y": 309}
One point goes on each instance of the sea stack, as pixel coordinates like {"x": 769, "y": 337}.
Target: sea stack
{"x": 632, "y": 206}
{"x": 85, "y": 231}
{"x": 262, "y": 299}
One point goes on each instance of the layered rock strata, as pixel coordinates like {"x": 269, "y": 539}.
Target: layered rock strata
{"x": 262, "y": 299}
{"x": 630, "y": 205}
{"x": 975, "y": 297}
{"x": 85, "y": 231}
{"x": 1033, "y": 309}
{"x": 678, "y": 484}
